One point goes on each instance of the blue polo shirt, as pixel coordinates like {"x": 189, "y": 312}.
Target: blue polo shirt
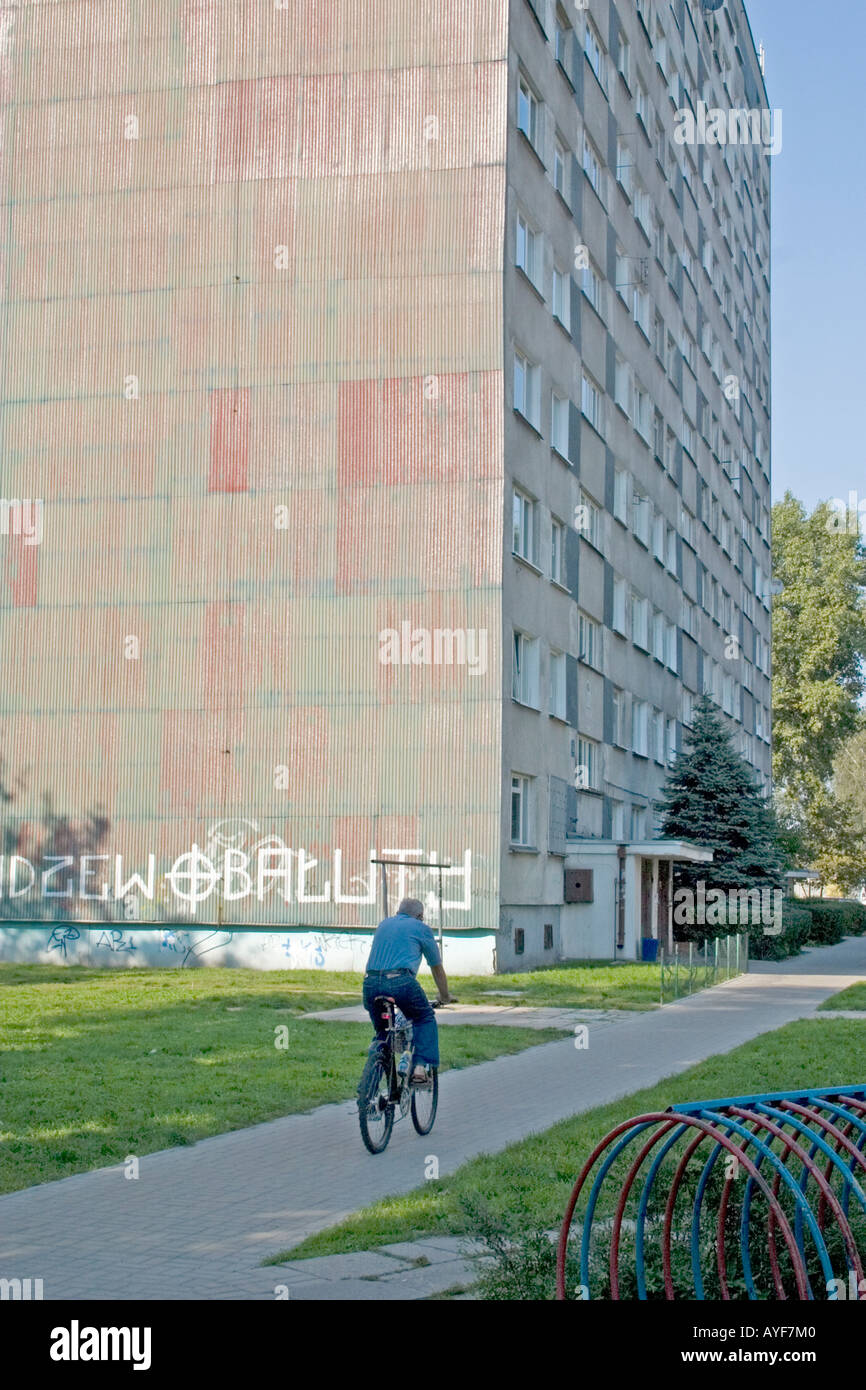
{"x": 399, "y": 944}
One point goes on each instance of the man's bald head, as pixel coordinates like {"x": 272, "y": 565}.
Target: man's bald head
{"x": 411, "y": 907}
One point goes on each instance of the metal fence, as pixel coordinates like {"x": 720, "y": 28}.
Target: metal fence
{"x": 691, "y": 966}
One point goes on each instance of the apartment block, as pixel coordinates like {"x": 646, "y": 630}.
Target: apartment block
{"x": 636, "y": 440}
{"x": 396, "y": 385}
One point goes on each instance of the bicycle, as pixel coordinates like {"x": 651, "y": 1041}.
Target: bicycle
{"x": 386, "y": 1085}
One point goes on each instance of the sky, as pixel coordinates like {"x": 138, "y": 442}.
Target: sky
{"x": 815, "y": 76}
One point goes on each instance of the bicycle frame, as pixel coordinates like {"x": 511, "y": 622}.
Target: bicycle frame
{"x": 398, "y": 1084}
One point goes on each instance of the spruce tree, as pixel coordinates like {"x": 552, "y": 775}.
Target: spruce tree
{"x": 711, "y": 798}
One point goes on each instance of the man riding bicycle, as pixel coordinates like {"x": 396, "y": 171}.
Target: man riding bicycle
{"x": 395, "y": 956}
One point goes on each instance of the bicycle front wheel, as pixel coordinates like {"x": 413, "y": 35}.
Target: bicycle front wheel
{"x": 375, "y": 1112}
{"x": 425, "y": 1100}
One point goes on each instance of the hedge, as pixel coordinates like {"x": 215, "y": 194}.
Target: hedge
{"x": 805, "y": 922}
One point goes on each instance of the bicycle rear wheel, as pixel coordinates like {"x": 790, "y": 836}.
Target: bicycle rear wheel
{"x": 375, "y": 1112}
{"x": 425, "y": 1101}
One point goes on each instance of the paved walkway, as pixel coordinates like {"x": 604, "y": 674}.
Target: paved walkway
{"x": 497, "y": 1015}
{"x": 199, "y": 1220}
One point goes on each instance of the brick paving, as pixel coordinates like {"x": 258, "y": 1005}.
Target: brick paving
{"x": 199, "y": 1220}
{"x": 494, "y": 1015}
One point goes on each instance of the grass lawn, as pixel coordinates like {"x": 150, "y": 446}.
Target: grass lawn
{"x": 584, "y": 985}
{"x": 853, "y": 998}
{"x": 98, "y": 1064}
{"x": 528, "y": 1185}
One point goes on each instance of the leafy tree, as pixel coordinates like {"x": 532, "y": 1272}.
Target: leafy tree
{"x": 711, "y": 798}
{"x": 819, "y": 639}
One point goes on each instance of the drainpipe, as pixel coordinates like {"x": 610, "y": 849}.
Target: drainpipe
{"x": 620, "y": 907}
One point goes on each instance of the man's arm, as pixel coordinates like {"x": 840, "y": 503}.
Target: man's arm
{"x": 441, "y": 979}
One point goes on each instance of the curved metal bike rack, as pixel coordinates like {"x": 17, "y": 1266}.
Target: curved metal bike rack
{"x": 786, "y": 1165}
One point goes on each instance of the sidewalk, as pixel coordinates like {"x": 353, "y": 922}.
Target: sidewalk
{"x": 199, "y": 1220}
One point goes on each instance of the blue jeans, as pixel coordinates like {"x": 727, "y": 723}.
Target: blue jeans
{"x": 408, "y": 995}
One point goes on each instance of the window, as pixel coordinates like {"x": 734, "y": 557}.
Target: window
{"x": 621, "y": 495}
{"x": 688, "y": 259}
{"x": 640, "y": 621}
{"x": 640, "y": 728}
{"x": 559, "y": 424}
{"x": 527, "y": 388}
{"x": 671, "y": 263}
{"x": 521, "y": 815}
{"x": 660, "y": 47}
{"x": 658, "y": 435}
{"x": 707, "y": 258}
{"x": 661, "y": 145}
{"x": 671, "y": 549}
{"x": 622, "y": 385}
{"x": 642, "y": 525}
{"x": 620, "y": 707}
{"x": 529, "y": 251}
{"x": 557, "y": 548}
{"x": 623, "y": 165}
{"x": 562, "y": 298}
{"x": 687, "y": 526}
{"x": 624, "y": 63}
{"x": 560, "y": 168}
{"x": 659, "y": 239}
{"x": 689, "y": 350}
{"x": 688, "y": 436}
{"x": 688, "y": 174}
{"x": 657, "y": 735}
{"x": 623, "y": 275}
{"x": 617, "y": 821}
{"x": 638, "y": 823}
{"x": 671, "y": 647}
{"x": 688, "y": 708}
{"x": 592, "y": 167}
{"x": 587, "y": 519}
{"x": 618, "y": 621}
{"x": 524, "y": 676}
{"x": 659, "y": 537}
{"x": 670, "y": 451}
{"x": 592, "y": 287}
{"x": 593, "y": 50}
{"x": 659, "y": 636}
{"x": 587, "y": 764}
{"x": 562, "y": 43}
{"x": 659, "y": 336}
{"x": 557, "y": 684}
{"x": 642, "y": 207}
{"x": 588, "y": 641}
{"x": 548, "y": 936}
{"x": 590, "y": 402}
{"x": 671, "y": 740}
{"x": 642, "y": 412}
{"x": 524, "y": 526}
{"x": 641, "y": 310}
{"x": 527, "y": 111}
{"x": 669, "y": 359}
{"x": 641, "y": 104}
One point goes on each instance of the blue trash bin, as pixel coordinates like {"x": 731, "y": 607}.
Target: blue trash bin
{"x": 649, "y": 948}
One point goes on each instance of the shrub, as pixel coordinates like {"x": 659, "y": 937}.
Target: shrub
{"x": 796, "y": 926}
